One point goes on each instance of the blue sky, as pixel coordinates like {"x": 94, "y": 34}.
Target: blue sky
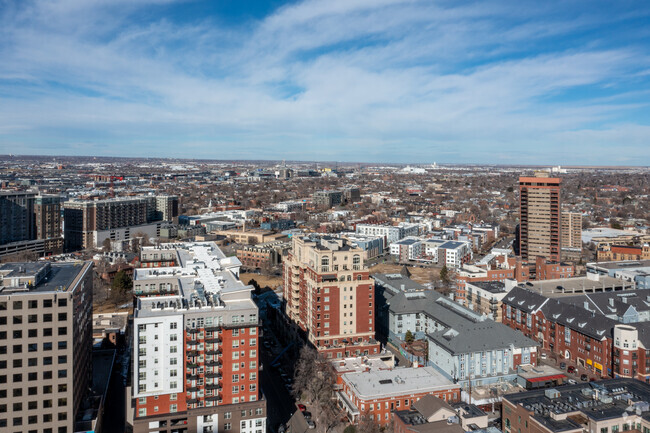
{"x": 403, "y": 81}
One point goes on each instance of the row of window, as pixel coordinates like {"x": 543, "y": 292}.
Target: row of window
{"x": 33, "y": 362}
{"x": 33, "y": 318}
{"x": 33, "y": 333}
{"x": 33, "y": 390}
{"x": 33, "y": 304}
{"x": 33, "y": 347}
{"x": 33, "y": 419}
{"x": 33, "y": 405}
{"x": 18, "y": 377}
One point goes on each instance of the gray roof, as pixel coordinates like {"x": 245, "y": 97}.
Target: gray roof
{"x": 430, "y": 404}
{"x": 478, "y": 337}
{"x": 590, "y": 323}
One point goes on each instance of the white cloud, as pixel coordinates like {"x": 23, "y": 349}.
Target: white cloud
{"x": 319, "y": 79}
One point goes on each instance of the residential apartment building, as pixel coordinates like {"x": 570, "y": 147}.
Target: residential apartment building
{"x": 377, "y": 393}
{"x": 579, "y": 335}
{"x": 89, "y": 222}
{"x": 462, "y": 344}
{"x": 330, "y": 296}
{"x": 485, "y": 297}
{"x": 389, "y": 233}
{"x": 636, "y": 272}
{"x": 30, "y": 223}
{"x": 539, "y": 227}
{"x": 45, "y": 345}
{"x": 615, "y": 253}
{"x": 264, "y": 255}
{"x": 196, "y": 351}
{"x": 327, "y": 198}
{"x": 551, "y": 270}
{"x": 407, "y": 249}
{"x": 571, "y": 228}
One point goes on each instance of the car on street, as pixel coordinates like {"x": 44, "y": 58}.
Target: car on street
{"x": 543, "y": 356}
{"x": 562, "y": 365}
{"x": 302, "y": 407}
{"x": 571, "y": 381}
{"x": 307, "y": 415}
{"x": 584, "y": 377}
{"x": 311, "y": 424}
{"x": 571, "y": 369}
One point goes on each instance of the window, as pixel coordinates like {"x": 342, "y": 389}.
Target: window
{"x": 63, "y": 302}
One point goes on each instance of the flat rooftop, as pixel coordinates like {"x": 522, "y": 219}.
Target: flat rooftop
{"x": 570, "y": 286}
{"x": 48, "y": 277}
{"x": 556, "y": 408}
{"x": 490, "y": 286}
{"x": 397, "y": 382}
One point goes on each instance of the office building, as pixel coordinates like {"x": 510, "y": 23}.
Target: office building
{"x": 196, "y": 351}
{"x": 45, "y": 344}
{"x": 539, "y": 227}
{"x": 330, "y": 296}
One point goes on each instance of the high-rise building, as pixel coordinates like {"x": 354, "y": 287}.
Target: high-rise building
{"x": 539, "y": 227}
{"x": 30, "y": 223}
{"x": 47, "y": 210}
{"x": 167, "y": 208}
{"x": 196, "y": 351}
{"x": 571, "y": 230}
{"x": 89, "y": 222}
{"x": 16, "y": 216}
{"x": 330, "y": 296}
{"x": 45, "y": 344}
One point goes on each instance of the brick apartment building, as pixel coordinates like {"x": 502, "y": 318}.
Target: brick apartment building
{"x": 615, "y": 253}
{"x": 376, "y": 394}
{"x": 569, "y": 331}
{"x": 45, "y": 345}
{"x": 196, "y": 351}
{"x": 551, "y": 270}
{"x": 330, "y": 296}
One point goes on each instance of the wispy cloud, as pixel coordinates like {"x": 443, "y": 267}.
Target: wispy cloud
{"x": 387, "y": 80}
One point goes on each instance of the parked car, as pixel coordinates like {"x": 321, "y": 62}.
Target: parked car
{"x": 311, "y": 424}
{"x": 542, "y": 356}
{"x": 302, "y": 407}
{"x": 562, "y": 365}
{"x": 571, "y": 369}
{"x": 282, "y": 428}
{"x": 307, "y": 415}
{"x": 571, "y": 381}
{"x": 584, "y": 378}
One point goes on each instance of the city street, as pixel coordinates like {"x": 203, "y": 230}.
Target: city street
{"x": 554, "y": 361}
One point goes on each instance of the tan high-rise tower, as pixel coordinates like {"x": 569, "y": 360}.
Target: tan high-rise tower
{"x": 539, "y": 230}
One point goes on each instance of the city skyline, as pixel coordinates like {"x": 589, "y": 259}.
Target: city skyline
{"x": 380, "y": 81}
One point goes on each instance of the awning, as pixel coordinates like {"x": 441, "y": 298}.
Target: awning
{"x": 546, "y": 378}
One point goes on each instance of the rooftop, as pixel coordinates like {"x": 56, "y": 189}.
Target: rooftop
{"x": 571, "y": 406}
{"x": 490, "y": 286}
{"x": 29, "y": 277}
{"x": 397, "y": 382}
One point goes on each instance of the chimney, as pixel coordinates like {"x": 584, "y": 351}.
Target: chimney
{"x": 587, "y": 305}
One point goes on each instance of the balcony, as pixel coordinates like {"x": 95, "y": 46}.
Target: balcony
{"x": 213, "y": 352}
{"x": 213, "y": 363}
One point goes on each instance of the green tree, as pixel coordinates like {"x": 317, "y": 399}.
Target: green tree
{"x": 444, "y": 274}
{"x": 409, "y": 337}
{"x": 122, "y": 283}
